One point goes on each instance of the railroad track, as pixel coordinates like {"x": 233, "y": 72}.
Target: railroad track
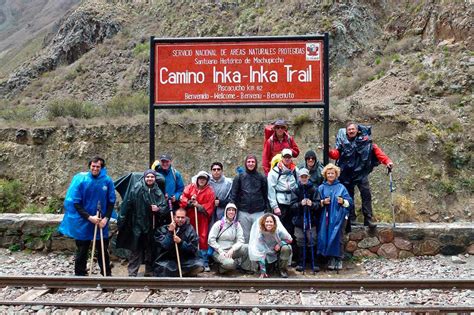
{"x": 240, "y": 293}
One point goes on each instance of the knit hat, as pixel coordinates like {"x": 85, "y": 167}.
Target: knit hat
{"x": 149, "y": 171}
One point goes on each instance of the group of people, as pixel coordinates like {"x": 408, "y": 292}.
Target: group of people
{"x": 254, "y": 222}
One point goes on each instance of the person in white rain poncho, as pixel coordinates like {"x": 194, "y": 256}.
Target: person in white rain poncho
{"x": 269, "y": 245}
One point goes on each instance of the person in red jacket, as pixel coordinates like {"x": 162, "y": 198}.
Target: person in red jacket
{"x": 356, "y": 155}
{"x": 198, "y": 198}
{"x": 276, "y": 143}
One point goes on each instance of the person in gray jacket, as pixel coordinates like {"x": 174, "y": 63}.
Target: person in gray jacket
{"x": 282, "y": 179}
{"x": 226, "y": 239}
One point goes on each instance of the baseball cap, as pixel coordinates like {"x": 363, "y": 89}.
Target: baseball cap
{"x": 303, "y": 171}
{"x": 165, "y": 157}
{"x": 285, "y": 152}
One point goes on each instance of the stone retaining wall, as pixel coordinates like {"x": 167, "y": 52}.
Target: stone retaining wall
{"x": 39, "y": 232}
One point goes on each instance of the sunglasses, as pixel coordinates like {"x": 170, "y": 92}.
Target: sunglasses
{"x": 216, "y": 169}
{"x": 280, "y": 127}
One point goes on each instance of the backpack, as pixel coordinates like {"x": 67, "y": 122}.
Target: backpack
{"x": 364, "y": 136}
{"x": 268, "y": 133}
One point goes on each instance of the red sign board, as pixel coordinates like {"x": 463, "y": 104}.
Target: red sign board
{"x": 239, "y": 72}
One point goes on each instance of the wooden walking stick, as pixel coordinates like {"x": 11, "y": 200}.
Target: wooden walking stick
{"x": 175, "y": 244}
{"x": 93, "y": 247}
{"x": 197, "y": 225}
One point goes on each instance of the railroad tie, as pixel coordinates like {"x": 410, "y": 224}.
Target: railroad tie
{"x": 89, "y": 295}
{"x": 32, "y": 294}
{"x": 196, "y": 297}
{"x": 248, "y": 297}
{"x": 139, "y": 296}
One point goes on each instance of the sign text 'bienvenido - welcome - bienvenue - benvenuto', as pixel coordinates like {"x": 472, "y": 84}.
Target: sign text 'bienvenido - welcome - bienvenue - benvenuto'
{"x": 239, "y": 72}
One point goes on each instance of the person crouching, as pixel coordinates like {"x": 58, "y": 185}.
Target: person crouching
{"x": 226, "y": 241}
{"x": 270, "y": 244}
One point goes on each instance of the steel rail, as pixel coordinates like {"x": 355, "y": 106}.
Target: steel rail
{"x": 232, "y": 283}
{"x": 334, "y": 308}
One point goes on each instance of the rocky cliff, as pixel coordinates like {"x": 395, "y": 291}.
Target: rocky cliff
{"x": 403, "y": 66}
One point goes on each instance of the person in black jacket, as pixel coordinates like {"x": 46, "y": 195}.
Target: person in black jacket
{"x": 305, "y": 206}
{"x": 143, "y": 212}
{"x": 249, "y": 194}
{"x": 166, "y": 264}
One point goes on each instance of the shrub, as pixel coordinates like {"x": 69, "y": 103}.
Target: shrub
{"x": 71, "y": 108}
{"x": 127, "y": 105}
{"x": 302, "y": 119}
{"x": 11, "y": 197}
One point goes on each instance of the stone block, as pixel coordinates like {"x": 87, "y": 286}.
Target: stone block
{"x": 388, "y": 250}
{"x": 415, "y": 235}
{"x": 351, "y": 246}
{"x": 452, "y": 249}
{"x": 470, "y": 249}
{"x": 35, "y": 244}
{"x": 386, "y": 235}
{"x": 368, "y": 242}
{"x": 62, "y": 244}
{"x": 364, "y": 253}
{"x": 9, "y": 240}
{"x": 402, "y": 244}
{"x": 428, "y": 247}
{"x": 446, "y": 238}
{"x": 375, "y": 249}
{"x": 357, "y": 235}
{"x": 403, "y": 254}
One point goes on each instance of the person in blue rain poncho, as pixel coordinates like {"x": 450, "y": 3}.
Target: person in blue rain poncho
{"x": 89, "y": 201}
{"x": 335, "y": 203}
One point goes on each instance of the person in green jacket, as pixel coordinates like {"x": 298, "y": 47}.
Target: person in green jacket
{"x": 144, "y": 212}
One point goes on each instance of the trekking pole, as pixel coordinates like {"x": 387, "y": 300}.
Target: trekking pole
{"x": 93, "y": 247}
{"x": 391, "y": 195}
{"x": 175, "y": 245}
{"x": 311, "y": 243}
{"x": 303, "y": 263}
{"x": 104, "y": 268}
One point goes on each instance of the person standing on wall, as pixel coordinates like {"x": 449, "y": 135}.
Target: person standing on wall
{"x": 357, "y": 155}
{"x": 279, "y": 140}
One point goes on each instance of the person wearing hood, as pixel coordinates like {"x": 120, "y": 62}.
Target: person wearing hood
{"x": 226, "y": 238}
{"x": 89, "y": 202}
{"x": 144, "y": 212}
{"x": 166, "y": 263}
{"x": 198, "y": 198}
{"x": 282, "y": 179}
{"x": 270, "y": 245}
{"x": 335, "y": 203}
{"x": 305, "y": 207}
{"x": 174, "y": 184}
{"x": 221, "y": 186}
{"x": 249, "y": 194}
{"x": 314, "y": 167}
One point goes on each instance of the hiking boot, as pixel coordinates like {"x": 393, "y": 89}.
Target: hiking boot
{"x": 338, "y": 264}
{"x": 331, "y": 263}
{"x": 299, "y": 268}
{"x": 316, "y": 268}
{"x": 207, "y": 269}
{"x": 283, "y": 274}
{"x": 370, "y": 224}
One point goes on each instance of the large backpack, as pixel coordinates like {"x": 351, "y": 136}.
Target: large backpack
{"x": 269, "y": 132}
{"x": 364, "y": 136}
